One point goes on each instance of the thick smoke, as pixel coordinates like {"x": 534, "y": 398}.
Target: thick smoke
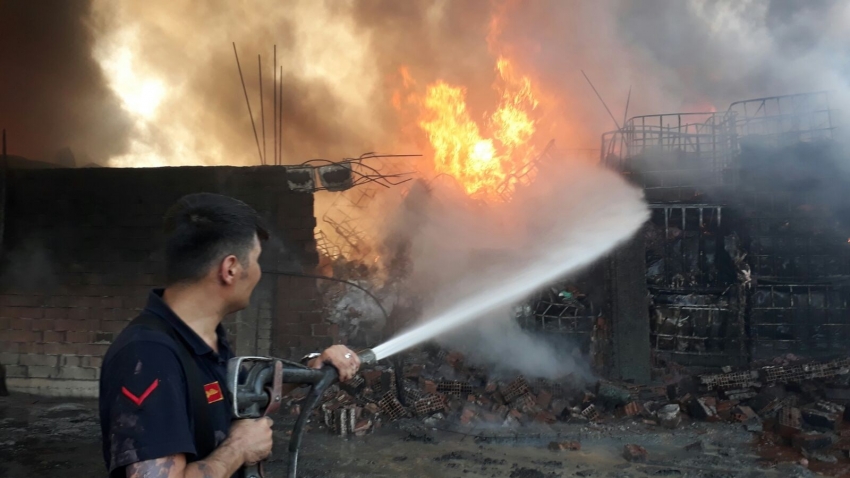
{"x": 52, "y": 92}
{"x": 169, "y": 93}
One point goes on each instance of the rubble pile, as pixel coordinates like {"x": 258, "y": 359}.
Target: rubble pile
{"x": 802, "y": 405}
{"x": 438, "y": 386}
{"x": 796, "y": 404}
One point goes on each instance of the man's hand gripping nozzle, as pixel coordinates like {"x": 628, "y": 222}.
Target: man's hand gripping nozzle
{"x": 254, "y": 386}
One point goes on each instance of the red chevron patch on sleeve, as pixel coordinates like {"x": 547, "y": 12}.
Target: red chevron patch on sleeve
{"x": 138, "y": 400}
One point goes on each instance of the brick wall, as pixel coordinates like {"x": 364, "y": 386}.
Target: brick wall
{"x": 82, "y": 248}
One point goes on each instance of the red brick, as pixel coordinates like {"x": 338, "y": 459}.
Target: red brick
{"x": 310, "y": 317}
{"x": 318, "y": 342}
{"x": 61, "y": 348}
{"x": 789, "y": 422}
{"x": 331, "y": 330}
{"x": 77, "y": 337}
{"x": 114, "y": 326}
{"x": 301, "y": 305}
{"x": 55, "y": 313}
{"x": 29, "y": 312}
{"x": 633, "y": 409}
{"x": 57, "y": 301}
{"x": 64, "y": 324}
{"x": 544, "y": 398}
{"x": 77, "y": 301}
{"x": 92, "y": 361}
{"x": 565, "y": 446}
{"x": 294, "y": 329}
{"x": 78, "y": 313}
{"x": 123, "y": 314}
{"x": 32, "y": 348}
{"x": 430, "y": 387}
{"x": 20, "y": 324}
{"x": 134, "y": 303}
{"x": 53, "y": 337}
{"x": 288, "y": 341}
{"x": 467, "y": 415}
{"x": 110, "y": 302}
{"x": 40, "y": 360}
{"x": 93, "y": 349}
{"x": 23, "y": 300}
{"x": 22, "y": 336}
{"x": 545, "y": 417}
{"x": 43, "y": 324}
{"x": 635, "y": 453}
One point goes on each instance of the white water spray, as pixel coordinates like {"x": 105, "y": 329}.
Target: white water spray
{"x": 608, "y": 212}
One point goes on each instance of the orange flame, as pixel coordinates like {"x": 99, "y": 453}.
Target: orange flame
{"x": 481, "y": 164}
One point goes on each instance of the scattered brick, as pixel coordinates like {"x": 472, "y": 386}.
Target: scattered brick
{"x": 515, "y": 389}
{"x": 820, "y": 419}
{"x": 544, "y": 399}
{"x": 635, "y": 453}
{"x": 696, "y": 446}
{"x": 430, "y": 387}
{"x": 545, "y": 416}
{"x": 812, "y": 441}
{"x": 467, "y": 416}
{"x": 590, "y": 413}
{"x": 789, "y": 423}
{"x": 633, "y": 409}
{"x": 565, "y": 446}
{"x": 743, "y": 413}
{"x": 700, "y": 409}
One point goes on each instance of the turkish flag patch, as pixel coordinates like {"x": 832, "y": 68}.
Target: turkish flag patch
{"x": 213, "y": 391}
{"x": 141, "y": 398}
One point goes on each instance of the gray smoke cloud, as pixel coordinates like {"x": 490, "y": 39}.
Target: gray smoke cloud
{"x": 52, "y": 92}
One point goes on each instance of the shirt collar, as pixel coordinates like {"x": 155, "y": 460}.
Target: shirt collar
{"x": 157, "y": 306}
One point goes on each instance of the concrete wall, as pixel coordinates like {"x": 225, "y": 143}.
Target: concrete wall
{"x": 630, "y": 324}
{"x": 82, "y": 248}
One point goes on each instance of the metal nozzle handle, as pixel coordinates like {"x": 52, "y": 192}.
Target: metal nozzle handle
{"x": 367, "y": 357}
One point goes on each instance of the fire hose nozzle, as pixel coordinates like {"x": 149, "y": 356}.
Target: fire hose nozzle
{"x": 367, "y": 357}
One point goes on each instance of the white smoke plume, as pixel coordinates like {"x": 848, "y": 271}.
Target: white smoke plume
{"x": 478, "y": 260}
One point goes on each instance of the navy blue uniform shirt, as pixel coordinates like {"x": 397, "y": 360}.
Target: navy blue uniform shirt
{"x": 144, "y": 399}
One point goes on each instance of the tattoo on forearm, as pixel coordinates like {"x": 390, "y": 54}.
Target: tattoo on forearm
{"x": 159, "y": 468}
{"x": 204, "y": 469}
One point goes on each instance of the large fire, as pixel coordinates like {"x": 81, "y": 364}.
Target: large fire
{"x": 480, "y": 158}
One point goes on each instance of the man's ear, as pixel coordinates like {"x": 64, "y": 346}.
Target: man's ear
{"x": 229, "y": 269}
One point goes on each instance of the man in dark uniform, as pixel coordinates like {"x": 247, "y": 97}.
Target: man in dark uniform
{"x": 163, "y": 407}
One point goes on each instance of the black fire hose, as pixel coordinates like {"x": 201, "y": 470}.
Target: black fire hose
{"x": 321, "y": 379}
{"x": 326, "y": 377}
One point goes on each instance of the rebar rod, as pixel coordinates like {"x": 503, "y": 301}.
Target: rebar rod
{"x": 262, "y": 105}
{"x": 248, "y": 102}
{"x": 274, "y": 87}
{"x": 600, "y": 99}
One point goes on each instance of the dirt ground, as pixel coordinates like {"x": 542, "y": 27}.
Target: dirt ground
{"x": 61, "y": 437}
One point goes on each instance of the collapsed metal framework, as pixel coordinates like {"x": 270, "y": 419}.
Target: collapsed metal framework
{"x": 708, "y": 308}
{"x": 348, "y": 207}
{"x": 674, "y": 156}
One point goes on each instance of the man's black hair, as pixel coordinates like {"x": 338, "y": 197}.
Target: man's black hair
{"x": 205, "y": 228}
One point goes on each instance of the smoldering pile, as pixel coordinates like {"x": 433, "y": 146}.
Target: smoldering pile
{"x": 437, "y": 387}
{"x": 790, "y": 403}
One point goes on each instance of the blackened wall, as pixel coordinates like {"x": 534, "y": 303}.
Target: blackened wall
{"x": 82, "y": 248}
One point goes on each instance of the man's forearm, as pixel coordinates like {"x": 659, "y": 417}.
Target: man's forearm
{"x": 222, "y": 463}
